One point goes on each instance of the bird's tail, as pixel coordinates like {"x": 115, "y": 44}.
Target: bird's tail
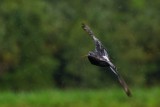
{"x": 123, "y": 83}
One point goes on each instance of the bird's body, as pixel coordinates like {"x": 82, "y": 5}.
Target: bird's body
{"x": 100, "y": 57}
{"x": 97, "y": 61}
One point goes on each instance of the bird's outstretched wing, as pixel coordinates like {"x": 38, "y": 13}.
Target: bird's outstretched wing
{"x": 99, "y": 48}
{"x": 122, "y": 82}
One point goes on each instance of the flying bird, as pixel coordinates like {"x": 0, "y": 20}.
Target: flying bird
{"x": 100, "y": 57}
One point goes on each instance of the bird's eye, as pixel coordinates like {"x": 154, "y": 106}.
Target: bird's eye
{"x": 90, "y": 53}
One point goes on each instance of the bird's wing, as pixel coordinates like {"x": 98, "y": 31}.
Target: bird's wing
{"x": 99, "y": 48}
{"x": 122, "y": 82}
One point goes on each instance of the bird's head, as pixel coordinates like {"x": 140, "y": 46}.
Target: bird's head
{"x": 91, "y": 54}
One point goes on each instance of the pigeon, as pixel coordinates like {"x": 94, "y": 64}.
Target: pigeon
{"x": 100, "y": 57}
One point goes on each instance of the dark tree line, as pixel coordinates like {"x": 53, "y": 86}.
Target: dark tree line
{"x": 42, "y": 44}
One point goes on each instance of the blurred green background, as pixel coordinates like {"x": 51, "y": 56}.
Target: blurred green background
{"x": 42, "y": 49}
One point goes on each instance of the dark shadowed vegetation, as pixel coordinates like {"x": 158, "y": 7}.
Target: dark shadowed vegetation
{"x": 42, "y": 44}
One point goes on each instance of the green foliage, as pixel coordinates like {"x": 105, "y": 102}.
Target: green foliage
{"x": 77, "y": 98}
{"x": 42, "y": 44}
{"x": 26, "y": 59}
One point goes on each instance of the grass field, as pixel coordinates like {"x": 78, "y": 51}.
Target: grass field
{"x": 81, "y": 98}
